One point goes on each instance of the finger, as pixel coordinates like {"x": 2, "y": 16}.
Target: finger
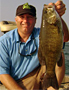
{"x": 60, "y": 6}
{"x": 51, "y": 4}
{"x": 60, "y": 14}
{"x": 61, "y": 10}
{"x": 59, "y": 2}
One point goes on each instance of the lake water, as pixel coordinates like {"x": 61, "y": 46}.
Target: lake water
{"x": 66, "y": 52}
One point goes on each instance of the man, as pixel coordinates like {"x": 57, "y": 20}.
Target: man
{"x": 19, "y": 64}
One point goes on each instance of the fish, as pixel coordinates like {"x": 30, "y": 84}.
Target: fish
{"x": 50, "y": 44}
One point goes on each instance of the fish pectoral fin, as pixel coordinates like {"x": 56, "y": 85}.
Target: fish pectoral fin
{"x": 60, "y": 61}
{"x": 49, "y": 81}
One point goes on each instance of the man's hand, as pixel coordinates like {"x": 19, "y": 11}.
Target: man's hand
{"x": 60, "y": 7}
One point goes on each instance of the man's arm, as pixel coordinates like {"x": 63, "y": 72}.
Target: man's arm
{"x": 9, "y": 82}
{"x": 65, "y": 30}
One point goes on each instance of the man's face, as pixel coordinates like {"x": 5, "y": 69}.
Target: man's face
{"x": 25, "y": 23}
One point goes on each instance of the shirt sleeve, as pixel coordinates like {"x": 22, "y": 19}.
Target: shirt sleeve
{"x": 4, "y": 59}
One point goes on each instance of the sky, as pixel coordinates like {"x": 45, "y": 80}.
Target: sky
{"x": 8, "y": 9}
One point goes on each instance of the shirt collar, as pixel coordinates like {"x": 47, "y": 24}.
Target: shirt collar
{"x": 17, "y": 36}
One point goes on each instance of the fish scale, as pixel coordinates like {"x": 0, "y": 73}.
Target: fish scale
{"x": 50, "y": 44}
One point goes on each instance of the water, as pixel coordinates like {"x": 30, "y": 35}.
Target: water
{"x": 66, "y": 52}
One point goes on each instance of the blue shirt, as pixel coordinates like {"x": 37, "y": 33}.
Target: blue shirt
{"x": 11, "y": 61}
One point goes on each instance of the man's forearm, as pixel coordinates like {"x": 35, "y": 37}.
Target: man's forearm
{"x": 9, "y": 82}
{"x": 65, "y": 30}
{"x": 60, "y": 71}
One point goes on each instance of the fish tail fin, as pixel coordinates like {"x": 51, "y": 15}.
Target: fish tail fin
{"x": 50, "y": 81}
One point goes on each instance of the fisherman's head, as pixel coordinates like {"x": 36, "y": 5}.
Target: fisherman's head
{"x": 25, "y": 18}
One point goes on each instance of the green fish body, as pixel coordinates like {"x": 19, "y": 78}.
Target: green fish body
{"x": 50, "y": 44}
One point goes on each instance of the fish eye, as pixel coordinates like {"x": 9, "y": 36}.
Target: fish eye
{"x": 45, "y": 11}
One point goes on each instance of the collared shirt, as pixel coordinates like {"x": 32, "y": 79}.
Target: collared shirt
{"x": 11, "y": 61}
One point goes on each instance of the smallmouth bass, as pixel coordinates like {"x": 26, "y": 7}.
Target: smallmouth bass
{"x": 50, "y": 44}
